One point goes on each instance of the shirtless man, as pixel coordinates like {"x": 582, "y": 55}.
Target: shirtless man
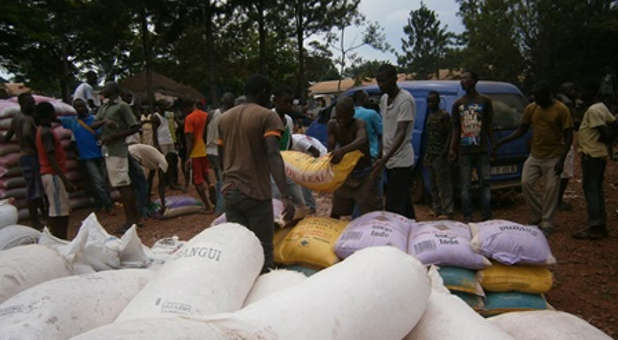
{"x": 347, "y": 134}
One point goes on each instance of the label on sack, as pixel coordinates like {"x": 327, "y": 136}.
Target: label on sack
{"x": 204, "y": 252}
{"x": 173, "y": 307}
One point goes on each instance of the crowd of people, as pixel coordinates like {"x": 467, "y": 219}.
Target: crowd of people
{"x": 232, "y": 154}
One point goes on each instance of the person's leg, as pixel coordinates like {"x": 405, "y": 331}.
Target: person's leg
{"x": 398, "y": 195}
{"x": 214, "y": 162}
{"x": 530, "y": 174}
{"x": 465, "y": 178}
{"x": 199, "y": 167}
{"x": 567, "y": 173}
{"x": 593, "y": 171}
{"x": 118, "y": 174}
{"x": 96, "y": 171}
{"x": 59, "y": 226}
{"x": 58, "y": 198}
{"x": 139, "y": 184}
{"x": 33, "y": 198}
{"x": 343, "y": 203}
{"x": 366, "y": 197}
{"x": 445, "y": 186}
{"x": 434, "y": 171}
{"x": 163, "y": 182}
{"x": 172, "y": 170}
{"x": 550, "y": 196}
{"x": 261, "y": 222}
{"x": 129, "y": 203}
{"x": 483, "y": 169}
{"x": 296, "y": 192}
{"x": 309, "y": 200}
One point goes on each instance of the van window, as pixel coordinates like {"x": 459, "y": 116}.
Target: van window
{"x": 508, "y": 108}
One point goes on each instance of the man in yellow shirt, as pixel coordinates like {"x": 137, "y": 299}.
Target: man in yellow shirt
{"x": 596, "y": 133}
{"x": 552, "y": 135}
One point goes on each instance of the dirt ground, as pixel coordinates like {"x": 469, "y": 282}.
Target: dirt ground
{"x": 586, "y": 276}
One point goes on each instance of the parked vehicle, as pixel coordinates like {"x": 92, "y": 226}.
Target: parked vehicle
{"x": 508, "y": 103}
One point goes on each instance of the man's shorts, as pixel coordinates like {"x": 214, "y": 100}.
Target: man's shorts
{"x": 57, "y": 195}
{"x": 199, "y": 166}
{"x": 30, "y": 167}
{"x": 118, "y": 171}
{"x": 361, "y": 191}
{"x": 569, "y": 164}
{"x": 167, "y": 148}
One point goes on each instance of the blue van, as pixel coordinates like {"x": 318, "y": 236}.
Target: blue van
{"x": 509, "y": 104}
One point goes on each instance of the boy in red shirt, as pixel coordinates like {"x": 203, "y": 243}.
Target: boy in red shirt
{"x": 52, "y": 160}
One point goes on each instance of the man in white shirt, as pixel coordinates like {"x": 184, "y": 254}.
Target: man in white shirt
{"x": 84, "y": 91}
{"x": 315, "y": 148}
{"x": 152, "y": 160}
{"x": 212, "y": 136}
{"x": 398, "y": 111}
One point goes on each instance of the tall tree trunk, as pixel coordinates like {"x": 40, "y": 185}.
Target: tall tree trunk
{"x": 210, "y": 50}
{"x": 147, "y": 58}
{"x": 64, "y": 80}
{"x": 342, "y": 62}
{"x": 300, "y": 78}
{"x": 262, "y": 36}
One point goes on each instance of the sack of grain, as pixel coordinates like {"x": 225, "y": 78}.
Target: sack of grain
{"x": 444, "y": 248}
{"x": 319, "y": 174}
{"x": 26, "y": 266}
{"x": 65, "y": 307}
{"x": 272, "y": 282}
{"x": 179, "y": 205}
{"x": 311, "y": 242}
{"x": 474, "y": 301}
{"x": 509, "y": 242}
{"x": 17, "y": 235}
{"x": 8, "y": 214}
{"x": 547, "y": 324}
{"x": 212, "y": 273}
{"x": 443, "y": 226}
{"x": 521, "y": 278}
{"x": 461, "y": 280}
{"x": 498, "y": 303}
{"x": 378, "y": 228}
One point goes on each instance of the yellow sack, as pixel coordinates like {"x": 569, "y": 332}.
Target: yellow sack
{"x": 525, "y": 279}
{"x": 311, "y": 242}
{"x": 318, "y": 174}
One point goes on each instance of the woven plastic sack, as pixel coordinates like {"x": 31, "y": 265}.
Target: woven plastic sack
{"x": 273, "y": 282}
{"x": 8, "y": 214}
{"x": 461, "y": 280}
{"x": 474, "y": 301}
{"x": 547, "y": 324}
{"x": 521, "y": 278}
{"x": 443, "y": 226}
{"x": 445, "y": 249}
{"x": 311, "y": 242}
{"x": 509, "y": 242}
{"x": 179, "y": 205}
{"x": 378, "y": 228}
{"x": 498, "y": 303}
{"x": 318, "y": 174}
{"x": 18, "y": 235}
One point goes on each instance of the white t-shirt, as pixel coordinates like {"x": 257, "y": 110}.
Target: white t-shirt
{"x": 289, "y": 125}
{"x": 402, "y": 109}
{"x": 212, "y": 134}
{"x": 164, "y": 135}
{"x": 303, "y": 143}
{"x": 85, "y": 93}
{"x": 149, "y": 157}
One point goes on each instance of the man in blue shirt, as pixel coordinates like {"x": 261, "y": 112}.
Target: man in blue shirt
{"x": 373, "y": 122}
{"x": 90, "y": 156}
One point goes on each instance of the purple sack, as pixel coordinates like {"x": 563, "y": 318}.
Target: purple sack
{"x": 509, "y": 242}
{"x": 179, "y": 201}
{"x": 378, "y": 228}
{"x": 447, "y": 249}
{"x": 445, "y": 226}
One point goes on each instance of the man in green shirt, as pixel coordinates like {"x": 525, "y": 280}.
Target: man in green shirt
{"x": 118, "y": 122}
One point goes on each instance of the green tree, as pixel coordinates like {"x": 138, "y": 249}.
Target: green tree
{"x": 364, "y": 71}
{"x": 425, "y": 46}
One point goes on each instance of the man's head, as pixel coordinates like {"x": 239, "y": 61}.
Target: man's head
{"x": 45, "y": 113}
{"x": 187, "y": 106}
{"x": 433, "y": 101}
{"x": 468, "y": 81}
{"x": 80, "y": 107}
{"x": 162, "y": 105}
{"x": 542, "y": 94}
{"x": 91, "y": 78}
{"x": 345, "y": 111}
{"x": 568, "y": 88}
{"x": 360, "y": 98}
{"x": 283, "y": 101}
{"x": 258, "y": 90}
{"x": 227, "y": 101}
{"x": 26, "y": 102}
{"x": 590, "y": 92}
{"x": 111, "y": 90}
{"x": 387, "y": 78}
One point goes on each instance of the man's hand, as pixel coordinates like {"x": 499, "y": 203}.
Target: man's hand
{"x": 314, "y": 152}
{"x": 336, "y": 156}
{"x": 288, "y": 209}
{"x": 111, "y": 124}
{"x": 452, "y": 156}
{"x": 69, "y": 186}
{"x": 559, "y": 167}
{"x": 378, "y": 166}
{"x": 162, "y": 210}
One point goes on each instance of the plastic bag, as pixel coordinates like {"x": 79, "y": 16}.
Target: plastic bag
{"x": 526, "y": 279}
{"x": 319, "y": 174}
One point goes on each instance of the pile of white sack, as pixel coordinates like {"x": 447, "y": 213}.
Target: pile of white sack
{"x": 210, "y": 288}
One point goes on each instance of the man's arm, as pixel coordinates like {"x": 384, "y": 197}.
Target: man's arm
{"x": 277, "y": 170}
{"x": 156, "y": 122}
{"x": 331, "y": 140}
{"x": 356, "y": 144}
{"x": 490, "y": 120}
{"x": 189, "y": 141}
{"x": 9, "y": 134}
{"x": 455, "y": 132}
{"x": 567, "y": 135}
{"x": 400, "y": 135}
{"x": 521, "y": 130}
{"x": 120, "y": 135}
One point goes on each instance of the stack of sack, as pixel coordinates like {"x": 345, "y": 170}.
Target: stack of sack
{"x": 11, "y": 233}
{"x": 519, "y": 275}
{"x": 12, "y": 182}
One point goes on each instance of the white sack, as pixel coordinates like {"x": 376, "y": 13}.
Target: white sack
{"x": 547, "y": 325}
{"x": 17, "y": 235}
{"x": 212, "y": 273}
{"x": 8, "y": 214}
{"x": 25, "y": 266}
{"x": 275, "y": 281}
{"x": 448, "y": 317}
{"x": 65, "y": 307}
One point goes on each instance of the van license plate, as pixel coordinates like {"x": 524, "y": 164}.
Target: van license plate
{"x": 503, "y": 170}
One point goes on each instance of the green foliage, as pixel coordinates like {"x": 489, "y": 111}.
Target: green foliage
{"x": 425, "y": 48}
